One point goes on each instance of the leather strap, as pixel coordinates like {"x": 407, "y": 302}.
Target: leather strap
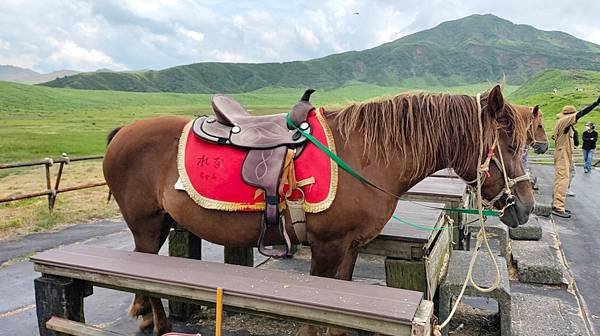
{"x": 263, "y": 168}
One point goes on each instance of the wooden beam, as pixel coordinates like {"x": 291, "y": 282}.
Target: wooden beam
{"x": 69, "y": 327}
{"x": 243, "y": 256}
{"x": 250, "y": 304}
{"x": 58, "y": 296}
{"x": 422, "y": 320}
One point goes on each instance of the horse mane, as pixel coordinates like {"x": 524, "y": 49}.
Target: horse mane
{"x": 425, "y": 128}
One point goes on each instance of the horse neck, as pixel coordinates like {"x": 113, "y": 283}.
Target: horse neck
{"x": 398, "y": 175}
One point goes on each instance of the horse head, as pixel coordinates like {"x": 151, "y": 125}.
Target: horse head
{"x": 536, "y": 133}
{"x": 505, "y": 185}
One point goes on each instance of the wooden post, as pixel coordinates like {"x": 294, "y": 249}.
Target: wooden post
{"x": 243, "y": 256}
{"x": 185, "y": 245}
{"x": 51, "y": 194}
{"x": 57, "y": 182}
{"x": 61, "y": 297}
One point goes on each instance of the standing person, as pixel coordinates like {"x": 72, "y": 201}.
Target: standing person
{"x": 570, "y": 191}
{"x": 589, "y": 136}
{"x": 563, "y": 155}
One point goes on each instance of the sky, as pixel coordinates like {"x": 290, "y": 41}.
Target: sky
{"x": 85, "y": 35}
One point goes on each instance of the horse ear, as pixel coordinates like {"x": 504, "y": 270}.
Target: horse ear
{"x": 495, "y": 102}
{"x": 306, "y": 95}
{"x": 536, "y": 111}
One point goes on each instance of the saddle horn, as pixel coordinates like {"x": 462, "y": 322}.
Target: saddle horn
{"x": 306, "y": 95}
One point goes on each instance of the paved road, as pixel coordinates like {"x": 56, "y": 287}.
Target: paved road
{"x": 580, "y": 235}
{"x": 580, "y": 238}
{"x": 17, "y": 299}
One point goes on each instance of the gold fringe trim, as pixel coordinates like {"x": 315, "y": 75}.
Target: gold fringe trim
{"x": 233, "y": 206}
{"x": 199, "y": 199}
{"x": 326, "y": 203}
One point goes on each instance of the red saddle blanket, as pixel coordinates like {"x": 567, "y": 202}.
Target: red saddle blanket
{"x": 211, "y": 173}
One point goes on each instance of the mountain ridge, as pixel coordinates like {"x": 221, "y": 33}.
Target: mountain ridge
{"x": 473, "y": 49}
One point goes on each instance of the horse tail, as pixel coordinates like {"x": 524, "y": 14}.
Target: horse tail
{"x": 109, "y": 138}
{"x": 112, "y": 134}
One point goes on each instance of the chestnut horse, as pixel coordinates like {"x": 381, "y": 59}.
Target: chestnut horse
{"x": 536, "y": 134}
{"x": 394, "y": 142}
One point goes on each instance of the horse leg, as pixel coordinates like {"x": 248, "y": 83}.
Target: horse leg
{"x": 149, "y": 234}
{"x": 344, "y": 272}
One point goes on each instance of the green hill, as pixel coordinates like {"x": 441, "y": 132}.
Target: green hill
{"x": 574, "y": 87}
{"x": 471, "y": 50}
{"x": 40, "y": 121}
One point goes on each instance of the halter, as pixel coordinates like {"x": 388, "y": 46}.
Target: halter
{"x": 485, "y": 167}
{"x": 531, "y": 134}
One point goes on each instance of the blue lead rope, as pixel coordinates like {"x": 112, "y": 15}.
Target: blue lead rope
{"x": 353, "y": 173}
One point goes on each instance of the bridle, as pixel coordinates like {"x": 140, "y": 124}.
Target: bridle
{"x": 531, "y": 135}
{"x": 509, "y": 182}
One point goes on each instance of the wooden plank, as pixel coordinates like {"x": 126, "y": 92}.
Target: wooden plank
{"x": 316, "y": 299}
{"x": 252, "y": 305}
{"x": 437, "y": 262}
{"x": 398, "y": 240}
{"x": 76, "y": 328}
{"x": 394, "y": 248}
{"x": 422, "y": 216}
{"x": 437, "y": 189}
{"x": 447, "y": 173}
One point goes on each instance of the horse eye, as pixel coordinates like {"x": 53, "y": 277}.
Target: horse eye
{"x": 540, "y": 126}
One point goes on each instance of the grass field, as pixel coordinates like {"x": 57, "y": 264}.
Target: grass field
{"x": 39, "y": 121}
{"x": 32, "y": 215}
{"x": 538, "y": 90}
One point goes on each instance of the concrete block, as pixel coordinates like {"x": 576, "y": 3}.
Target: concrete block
{"x": 542, "y": 209}
{"x": 495, "y": 230}
{"x": 538, "y": 261}
{"x": 535, "y": 315}
{"x": 484, "y": 274}
{"x": 529, "y": 231}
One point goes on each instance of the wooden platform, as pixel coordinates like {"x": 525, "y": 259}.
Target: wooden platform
{"x": 437, "y": 189}
{"x": 302, "y": 297}
{"x": 415, "y": 257}
{"x": 445, "y": 173}
{"x": 450, "y": 191}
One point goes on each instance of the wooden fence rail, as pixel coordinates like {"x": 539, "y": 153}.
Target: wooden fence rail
{"x": 51, "y": 191}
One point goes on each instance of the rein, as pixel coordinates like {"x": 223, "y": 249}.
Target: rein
{"x": 489, "y": 211}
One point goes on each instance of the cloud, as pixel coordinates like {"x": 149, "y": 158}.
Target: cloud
{"x": 69, "y": 55}
{"x": 594, "y": 36}
{"x": 142, "y": 34}
{"x": 194, "y": 35}
{"x": 4, "y": 45}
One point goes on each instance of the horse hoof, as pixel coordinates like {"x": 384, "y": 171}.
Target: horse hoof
{"x": 147, "y": 322}
{"x": 139, "y": 309}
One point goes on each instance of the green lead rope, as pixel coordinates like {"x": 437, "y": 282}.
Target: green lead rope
{"x": 353, "y": 173}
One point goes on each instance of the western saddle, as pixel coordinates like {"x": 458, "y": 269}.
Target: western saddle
{"x": 267, "y": 140}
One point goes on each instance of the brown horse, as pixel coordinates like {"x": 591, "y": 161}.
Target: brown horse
{"x": 536, "y": 134}
{"x": 394, "y": 142}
